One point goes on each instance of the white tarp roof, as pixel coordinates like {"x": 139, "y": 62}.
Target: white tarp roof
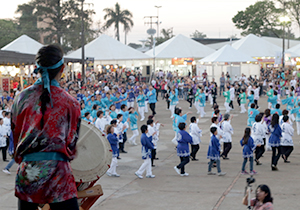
{"x": 23, "y": 44}
{"x": 278, "y": 41}
{"x": 107, "y": 48}
{"x": 256, "y": 47}
{"x": 227, "y": 54}
{"x": 219, "y": 45}
{"x": 294, "y": 51}
{"x": 181, "y": 47}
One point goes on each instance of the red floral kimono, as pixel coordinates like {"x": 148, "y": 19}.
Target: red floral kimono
{"x": 46, "y": 181}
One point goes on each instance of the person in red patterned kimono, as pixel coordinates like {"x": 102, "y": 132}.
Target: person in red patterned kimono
{"x": 45, "y": 126}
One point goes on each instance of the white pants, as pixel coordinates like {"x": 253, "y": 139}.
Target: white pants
{"x": 202, "y": 112}
{"x": 174, "y": 140}
{"x": 210, "y": 99}
{"x": 269, "y": 105}
{"x": 135, "y": 133}
{"x": 298, "y": 128}
{"x": 243, "y": 109}
{"x": 113, "y": 166}
{"x": 145, "y": 166}
{"x": 196, "y": 104}
{"x": 228, "y": 107}
{"x": 130, "y": 104}
{"x": 172, "y": 109}
{"x": 141, "y": 110}
{"x": 146, "y": 106}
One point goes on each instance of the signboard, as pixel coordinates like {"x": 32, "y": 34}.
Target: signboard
{"x": 89, "y": 64}
{"x": 181, "y": 61}
{"x": 5, "y": 84}
{"x": 266, "y": 60}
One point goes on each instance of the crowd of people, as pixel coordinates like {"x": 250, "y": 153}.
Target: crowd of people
{"x": 115, "y": 102}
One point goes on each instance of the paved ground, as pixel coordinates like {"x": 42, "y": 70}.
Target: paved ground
{"x": 198, "y": 191}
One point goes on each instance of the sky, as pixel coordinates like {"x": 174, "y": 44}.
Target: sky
{"x": 212, "y": 17}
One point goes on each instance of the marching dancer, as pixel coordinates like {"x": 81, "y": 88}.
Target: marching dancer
{"x": 226, "y": 94}
{"x": 297, "y": 111}
{"x": 133, "y": 115}
{"x": 274, "y": 140}
{"x": 183, "y": 151}
{"x": 286, "y": 142}
{"x": 196, "y": 133}
{"x": 242, "y": 97}
{"x": 141, "y": 104}
{"x": 226, "y": 137}
{"x": 248, "y": 147}
{"x": 232, "y": 94}
{"x": 147, "y": 146}
{"x": 258, "y": 132}
{"x": 114, "y": 143}
{"x": 201, "y": 104}
{"x": 252, "y": 112}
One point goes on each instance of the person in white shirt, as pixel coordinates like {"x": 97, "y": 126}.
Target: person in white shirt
{"x": 256, "y": 96}
{"x": 232, "y": 94}
{"x": 6, "y": 122}
{"x": 152, "y": 132}
{"x": 195, "y": 133}
{"x": 258, "y": 132}
{"x": 215, "y": 123}
{"x": 293, "y": 83}
{"x": 286, "y": 142}
{"x": 101, "y": 122}
{"x": 3, "y": 138}
{"x": 226, "y": 137}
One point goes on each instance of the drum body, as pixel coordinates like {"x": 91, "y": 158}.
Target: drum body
{"x": 94, "y": 154}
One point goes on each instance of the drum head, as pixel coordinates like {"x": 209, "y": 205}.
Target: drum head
{"x": 93, "y": 154}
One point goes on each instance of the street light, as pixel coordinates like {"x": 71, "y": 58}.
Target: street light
{"x": 284, "y": 20}
{"x": 158, "y": 19}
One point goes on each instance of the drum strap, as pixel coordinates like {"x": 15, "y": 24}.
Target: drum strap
{"x": 39, "y": 156}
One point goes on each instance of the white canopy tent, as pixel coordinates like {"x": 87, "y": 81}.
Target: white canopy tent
{"x": 23, "y": 44}
{"x": 257, "y": 47}
{"x": 228, "y": 54}
{"x": 294, "y": 50}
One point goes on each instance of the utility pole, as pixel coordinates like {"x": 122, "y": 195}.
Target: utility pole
{"x": 82, "y": 44}
{"x": 158, "y": 19}
{"x": 150, "y": 22}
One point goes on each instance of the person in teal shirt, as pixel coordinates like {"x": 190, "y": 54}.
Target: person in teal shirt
{"x": 226, "y": 94}
{"x": 290, "y": 101}
{"x": 124, "y": 96}
{"x": 141, "y": 104}
{"x": 94, "y": 111}
{"x": 152, "y": 99}
{"x": 107, "y": 101}
{"x": 133, "y": 115}
{"x": 251, "y": 98}
{"x": 202, "y": 101}
{"x": 297, "y": 112}
{"x": 87, "y": 117}
{"x": 270, "y": 95}
{"x": 277, "y": 110}
{"x": 173, "y": 103}
{"x": 83, "y": 109}
{"x": 273, "y": 100}
{"x": 252, "y": 112}
{"x": 112, "y": 112}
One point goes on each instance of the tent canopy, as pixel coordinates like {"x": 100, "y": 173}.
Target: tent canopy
{"x": 294, "y": 51}
{"x": 181, "y": 47}
{"x": 256, "y": 47}
{"x": 23, "y": 44}
{"x": 227, "y": 54}
{"x": 107, "y": 48}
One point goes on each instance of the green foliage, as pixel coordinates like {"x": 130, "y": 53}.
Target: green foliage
{"x": 166, "y": 35}
{"x": 292, "y": 7}
{"x": 8, "y": 31}
{"x": 259, "y": 19}
{"x": 197, "y": 34}
{"x": 116, "y": 16}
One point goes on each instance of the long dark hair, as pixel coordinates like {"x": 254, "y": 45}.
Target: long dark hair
{"x": 267, "y": 190}
{"x": 246, "y": 135}
{"x": 275, "y": 120}
{"x": 48, "y": 56}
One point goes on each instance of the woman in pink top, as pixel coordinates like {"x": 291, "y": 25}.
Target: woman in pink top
{"x": 263, "y": 200}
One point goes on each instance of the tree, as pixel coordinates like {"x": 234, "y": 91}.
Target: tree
{"x": 59, "y": 21}
{"x": 117, "y": 16}
{"x": 293, "y": 9}
{"x": 8, "y": 31}
{"x": 198, "y": 35}
{"x": 259, "y": 19}
{"x": 166, "y": 35}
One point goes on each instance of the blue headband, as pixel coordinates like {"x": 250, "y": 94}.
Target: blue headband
{"x": 45, "y": 75}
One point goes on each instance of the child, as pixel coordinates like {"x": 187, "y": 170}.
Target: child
{"x": 213, "y": 152}
{"x": 147, "y": 146}
{"x": 183, "y": 139}
{"x": 113, "y": 140}
{"x": 133, "y": 125}
{"x": 249, "y": 146}
{"x": 286, "y": 142}
{"x": 258, "y": 133}
{"x": 274, "y": 140}
{"x": 141, "y": 104}
{"x": 196, "y": 133}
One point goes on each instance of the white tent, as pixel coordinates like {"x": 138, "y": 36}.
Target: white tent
{"x": 256, "y": 47}
{"x": 181, "y": 47}
{"x": 219, "y": 45}
{"x": 278, "y": 41}
{"x": 294, "y": 50}
{"x": 23, "y": 44}
{"x": 227, "y": 54}
{"x": 106, "y": 48}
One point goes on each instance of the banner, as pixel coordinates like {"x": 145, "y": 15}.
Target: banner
{"x": 5, "y": 84}
{"x": 89, "y": 64}
{"x": 180, "y": 61}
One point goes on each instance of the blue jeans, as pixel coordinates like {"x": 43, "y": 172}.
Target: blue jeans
{"x": 251, "y": 163}
{"x": 218, "y": 165}
{"x": 180, "y": 93}
{"x": 9, "y": 165}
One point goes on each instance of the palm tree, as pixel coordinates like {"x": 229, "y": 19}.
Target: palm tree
{"x": 118, "y": 16}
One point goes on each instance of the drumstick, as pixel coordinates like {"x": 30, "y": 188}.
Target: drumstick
{"x": 93, "y": 191}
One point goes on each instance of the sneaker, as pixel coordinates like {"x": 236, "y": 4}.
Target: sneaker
{"x": 6, "y": 171}
{"x": 150, "y": 176}
{"x": 140, "y": 176}
{"x": 253, "y": 172}
{"x": 221, "y": 174}
{"x": 116, "y": 175}
{"x": 176, "y": 169}
{"x": 108, "y": 174}
{"x": 274, "y": 168}
{"x": 185, "y": 174}
{"x": 244, "y": 172}
{"x": 211, "y": 173}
